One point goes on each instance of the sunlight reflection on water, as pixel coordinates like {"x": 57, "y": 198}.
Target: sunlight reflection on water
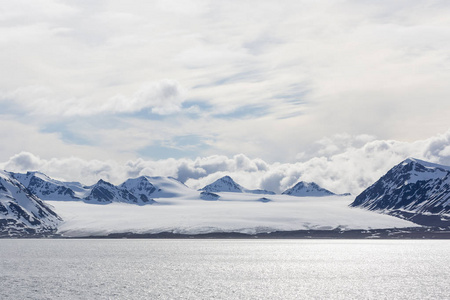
{"x": 224, "y": 269}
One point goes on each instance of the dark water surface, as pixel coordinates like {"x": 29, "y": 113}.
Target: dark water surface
{"x": 224, "y": 269}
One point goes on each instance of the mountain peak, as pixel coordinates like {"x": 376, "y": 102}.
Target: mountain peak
{"x": 304, "y": 189}
{"x": 423, "y": 163}
{"x": 223, "y": 184}
{"x": 103, "y": 182}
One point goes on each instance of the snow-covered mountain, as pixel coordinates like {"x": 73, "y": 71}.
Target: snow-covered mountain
{"x": 21, "y": 212}
{"x": 413, "y": 186}
{"x": 47, "y": 188}
{"x": 181, "y": 209}
{"x": 105, "y": 192}
{"x": 139, "y": 190}
{"x": 167, "y": 187}
{"x": 227, "y": 184}
{"x": 224, "y": 184}
{"x": 307, "y": 189}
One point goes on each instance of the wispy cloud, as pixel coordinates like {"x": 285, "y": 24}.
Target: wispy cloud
{"x": 162, "y": 97}
{"x": 265, "y": 79}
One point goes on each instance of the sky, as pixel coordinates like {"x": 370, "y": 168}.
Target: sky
{"x": 269, "y": 92}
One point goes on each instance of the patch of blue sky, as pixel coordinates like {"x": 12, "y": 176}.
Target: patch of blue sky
{"x": 295, "y": 94}
{"x": 249, "y": 76}
{"x": 146, "y": 114}
{"x": 290, "y": 115}
{"x": 10, "y": 107}
{"x": 190, "y": 107}
{"x": 202, "y": 105}
{"x": 63, "y": 130}
{"x": 188, "y": 146}
{"x": 246, "y": 112}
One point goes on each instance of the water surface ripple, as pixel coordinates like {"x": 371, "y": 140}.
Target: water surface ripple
{"x": 224, "y": 269}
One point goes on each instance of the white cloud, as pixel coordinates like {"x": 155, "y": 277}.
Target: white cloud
{"x": 162, "y": 97}
{"x": 314, "y": 70}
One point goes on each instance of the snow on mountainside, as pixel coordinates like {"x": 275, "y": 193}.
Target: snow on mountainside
{"x": 224, "y": 184}
{"x": 167, "y": 187}
{"x": 230, "y": 212}
{"x": 413, "y": 186}
{"x": 105, "y": 192}
{"x": 227, "y": 184}
{"x": 184, "y": 210}
{"x": 22, "y": 212}
{"x": 45, "y": 187}
{"x": 139, "y": 190}
{"x": 304, "y": 189}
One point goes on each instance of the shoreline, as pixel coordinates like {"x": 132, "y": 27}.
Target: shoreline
{"x": 388, "y": 233}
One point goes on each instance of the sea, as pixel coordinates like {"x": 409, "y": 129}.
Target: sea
{"x": 224, "y": 269}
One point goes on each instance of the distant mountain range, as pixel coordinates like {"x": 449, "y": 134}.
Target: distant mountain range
{"x": 415, "y": 190}
{"x": 26, "y": 191}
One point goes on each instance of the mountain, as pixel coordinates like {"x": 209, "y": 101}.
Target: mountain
{"x": 412, "y": 189}
{"x": 141, "y": 188}
{"x": 227, "y": 184}
{"x": 307, "y": 189}
{"x": 145, "y": 188}
{"x": 224, "y": 184}
{"x": 21, "y": 212}
{"x": 47, "y": 188}
{"x": 105, "y": 192}
{"x": 168, "y": 187}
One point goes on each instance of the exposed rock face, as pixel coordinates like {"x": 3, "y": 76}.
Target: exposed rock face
{"x": 413, "y": 186}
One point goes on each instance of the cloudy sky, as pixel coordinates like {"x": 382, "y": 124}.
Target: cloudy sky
{"x": 270, "y": 92}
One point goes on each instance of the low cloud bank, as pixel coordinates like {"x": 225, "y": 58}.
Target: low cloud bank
{"x": 342, "y": 163}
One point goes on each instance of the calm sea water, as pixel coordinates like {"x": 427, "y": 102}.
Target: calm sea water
{"x": 224, "y": 269}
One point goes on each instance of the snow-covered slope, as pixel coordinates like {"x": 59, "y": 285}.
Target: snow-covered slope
{"x": 167, "y": 187}
{"x": 220, "y": 207}
{"x": 47, "y": 188}
{"x": 307, "y": 189}
{"x": 413, "y": 186}
{"x": 105, "y": 192}
{"x": 224, "y": 184}
{"x": 231, "y": 212}
{"x": 22, "y": 212}
{"x": 139, "y": 190}
{"x": 227, "y": 184}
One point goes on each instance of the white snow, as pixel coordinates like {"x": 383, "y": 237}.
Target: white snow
{"x": 426, "y": 164}
{"x": 432, "y": 171}
{"x": 16, "y": 194}
{"x": 232, "y": 212}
